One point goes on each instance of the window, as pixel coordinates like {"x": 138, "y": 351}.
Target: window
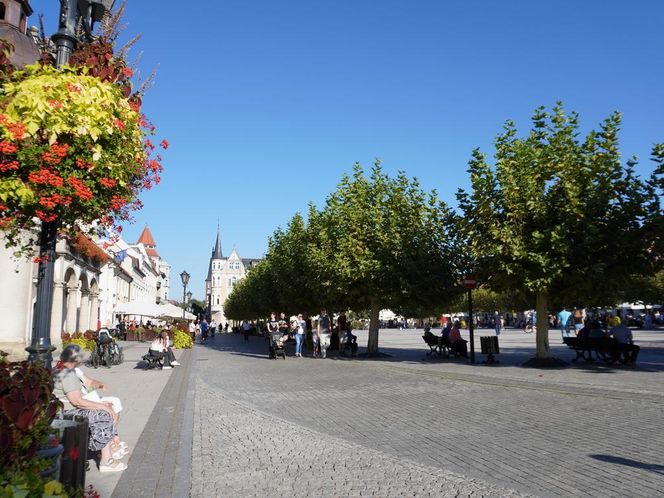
{"x": 2, "y": 11}
{"x": 23, "y": 24}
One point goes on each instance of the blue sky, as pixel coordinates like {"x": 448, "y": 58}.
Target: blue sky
{"x": 266, "y": 104}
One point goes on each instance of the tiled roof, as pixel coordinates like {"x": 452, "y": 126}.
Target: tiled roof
{"x": 146, "y": 238}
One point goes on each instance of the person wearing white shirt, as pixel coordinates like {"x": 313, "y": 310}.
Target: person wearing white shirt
{"x": 160, "y": 349}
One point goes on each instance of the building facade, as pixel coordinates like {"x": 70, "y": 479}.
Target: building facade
{"x": 91, "y": 278}
{"x": 223, "y": 274}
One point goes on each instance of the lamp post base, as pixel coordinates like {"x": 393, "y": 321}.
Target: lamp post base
{"x": 41, "y": 354}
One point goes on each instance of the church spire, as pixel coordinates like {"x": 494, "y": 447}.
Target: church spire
{"x": 217, "y": 246}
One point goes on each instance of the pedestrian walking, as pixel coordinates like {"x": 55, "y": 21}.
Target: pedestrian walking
{"x": 213, "y": 328}
{"x": 246, "y": 327}
{"x": 323, "y": 330}
{"x": 300, "y": 330}
{"x": 565, "y": 323}
{"x": 204, "y": 331}
{"x": 499, "y": 323}
{"x": 283, "y": 324}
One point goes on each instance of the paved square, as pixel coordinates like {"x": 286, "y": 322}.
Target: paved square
{"x": 412, "y": 426}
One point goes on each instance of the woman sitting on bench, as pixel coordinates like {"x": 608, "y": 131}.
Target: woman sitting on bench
{"x": 458, "y": 345}
{"x": 159, "y": 348}
{"x": 102, "y": 420}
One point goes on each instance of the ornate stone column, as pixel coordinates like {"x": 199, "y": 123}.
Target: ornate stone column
{"x": 71, "y": 309}
{"x": 56, "y": 313}
{"x": 84, "y": 313}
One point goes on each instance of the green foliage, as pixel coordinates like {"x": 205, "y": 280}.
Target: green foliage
{"x": 378, "y": 242}
{"x": 182, "y": 340}
{"x": 87, "y": 344}
{"x": 557, "y": 217}
{"x": 28, "y": 484}
{"x": 28, "y": 406}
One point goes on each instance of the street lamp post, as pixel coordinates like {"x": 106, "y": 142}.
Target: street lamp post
{"x": 40, "y": 349}
{"x": 188, "y": 300}
{"x": 185, "y": 280}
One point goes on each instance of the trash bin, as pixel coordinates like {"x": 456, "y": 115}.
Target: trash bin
{"x": 489, "y": 345}
{"x": 74, "y": 437}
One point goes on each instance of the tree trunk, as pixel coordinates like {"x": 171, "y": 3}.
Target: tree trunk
{"x": 372, "y": 344}
{"x": 542, "y": 334}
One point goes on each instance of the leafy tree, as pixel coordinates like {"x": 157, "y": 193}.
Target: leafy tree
{"x": 378, "y": 242}
{"x": 557, "y": 218}
{"x": 386, "y": 246}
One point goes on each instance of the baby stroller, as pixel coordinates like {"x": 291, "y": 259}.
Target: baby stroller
{"x": 276, "y": 345}
{"x": 106, "y": 350}
{"x": 348, "y": 344}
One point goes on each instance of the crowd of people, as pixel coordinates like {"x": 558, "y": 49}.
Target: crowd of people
{"x": 325, "y": 334}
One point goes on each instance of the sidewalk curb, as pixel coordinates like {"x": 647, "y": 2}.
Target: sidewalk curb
{"x": 160, "y": 465}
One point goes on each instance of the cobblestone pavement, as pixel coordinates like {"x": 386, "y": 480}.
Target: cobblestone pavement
{"x": 243, "y": 452}
{"x": 343, "y": 427}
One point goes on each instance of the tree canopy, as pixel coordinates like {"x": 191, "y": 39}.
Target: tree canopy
{"x": 378, "y": 242}
{"x": 559, "y": 218}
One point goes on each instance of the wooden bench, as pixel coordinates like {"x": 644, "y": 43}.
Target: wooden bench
{"x": 152, "y": 361}
{"x": 604, "y": 349}
{"x": 438, "y": 345}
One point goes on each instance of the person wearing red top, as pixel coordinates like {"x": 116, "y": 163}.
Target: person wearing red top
{"x": 458, "y": 344}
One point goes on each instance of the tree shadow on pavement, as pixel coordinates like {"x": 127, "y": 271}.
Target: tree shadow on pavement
{"x": 652, "y": 467}
{"x": 651, "y": 359}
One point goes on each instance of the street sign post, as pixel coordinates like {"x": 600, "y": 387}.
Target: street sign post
{"x": 470, "y": 284}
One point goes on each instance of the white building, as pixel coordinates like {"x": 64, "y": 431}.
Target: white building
{"x": 90, "y": 280}
{"x": 135, "y": 272}
{"x": 76, "y": 293}
{"x": 223, "y": 274}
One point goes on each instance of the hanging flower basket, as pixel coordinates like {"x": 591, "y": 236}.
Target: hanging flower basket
{"x": 73, "y": 150}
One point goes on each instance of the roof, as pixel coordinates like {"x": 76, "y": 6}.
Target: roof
{"x": 146, "y": 238}
{"x": 25, "y": 50}
{"x": 216, "y": 254}
{"x": 152, "y": 252}
{"x": 249, "y": 262}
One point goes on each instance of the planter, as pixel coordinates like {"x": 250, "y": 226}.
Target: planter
{"x": 148, "y": 336}
{"x": 133, "y": 335}
{"x": 74, "y": 436}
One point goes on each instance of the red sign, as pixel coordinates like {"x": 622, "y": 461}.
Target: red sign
{"x": 469, "y": 283}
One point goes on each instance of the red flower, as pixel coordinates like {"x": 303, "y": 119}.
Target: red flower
{"x": 56, "y": 154}
{"x": 117, "y": 203}
{"x": 73, "y": 88}
{"x": 56, "y": 104}
{"x": 108, "y": 182}
{"x": 45, "y": 216}
{"x": 164, "y": 144}
{"x": 127, "y": 72}
{"x": 119, "y": 124}
{"x": 46, "y": 177}
{"x": 80, "y": 163}
{"x": 8, "y": 166}
{"x": 17, "y": 130}
{"x": 7, "y": 147}
{"x": 80, "y": 188}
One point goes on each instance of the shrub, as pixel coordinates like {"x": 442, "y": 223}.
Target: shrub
{"x": 87, "y": 344}
{"x": 182, "y": 340}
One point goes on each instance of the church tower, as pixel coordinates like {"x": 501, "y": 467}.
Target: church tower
{"x": 213, "y": 283}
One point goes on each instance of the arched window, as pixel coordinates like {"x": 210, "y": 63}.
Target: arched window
{"x": 24, "y": 23}
{"x": 2, "y": 11}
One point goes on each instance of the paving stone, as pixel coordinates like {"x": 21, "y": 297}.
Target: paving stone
{"x": 403, "y": 428}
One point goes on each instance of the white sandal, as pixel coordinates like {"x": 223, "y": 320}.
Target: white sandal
{"x": 120, "y": 454}
{"x": 112, "y": 466}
